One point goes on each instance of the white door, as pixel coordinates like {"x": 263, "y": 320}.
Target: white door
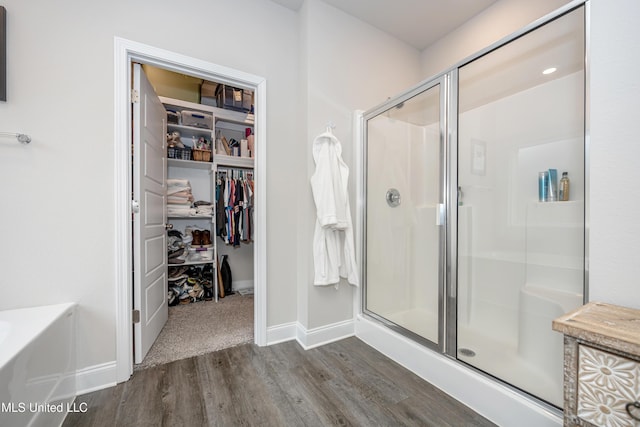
{"x": 150, "y": 237}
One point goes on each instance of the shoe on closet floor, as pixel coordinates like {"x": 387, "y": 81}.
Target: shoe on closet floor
{"x": 196, "y": 292}
{"x": 175, "y": 253}
{"x": 172, "y": 298}
{"x": 208, "y": 294}
{"x": 207, "y": 272}
{"x": 193, "y": 271}
{"x": 174, "y": 233}
{"x": 177, "y": 272}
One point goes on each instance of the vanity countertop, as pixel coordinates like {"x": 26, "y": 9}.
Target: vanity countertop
{"x": 605, "y": 324}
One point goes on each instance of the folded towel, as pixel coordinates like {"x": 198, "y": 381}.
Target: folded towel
{"x": 178, "y": 210}
{"x": 179, "y": 200}
{"x": 178, "y": 185}
{"x": 204, "y": 210}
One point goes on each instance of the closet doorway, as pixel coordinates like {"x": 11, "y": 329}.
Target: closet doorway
{"x": 126, "y": 54}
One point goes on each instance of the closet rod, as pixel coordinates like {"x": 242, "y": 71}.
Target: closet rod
{"x": 21, "y": 137}
{"x": 228, "y": 168}
{"x": 247, "y": 173}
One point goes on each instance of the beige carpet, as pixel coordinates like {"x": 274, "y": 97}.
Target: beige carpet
{"x": 202, "y": 327}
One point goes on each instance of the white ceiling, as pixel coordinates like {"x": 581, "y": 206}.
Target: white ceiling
{"x": 416, "y": 22}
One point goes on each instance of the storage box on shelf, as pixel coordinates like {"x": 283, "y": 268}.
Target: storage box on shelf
{"x": 208, "y": 94}
{"x": 179, "y": 153}
{"x": 201, "y": 155}
{"x": 173, "y": 117}
{"x": 234, "y": 98}
{"x": 196, "y": 119}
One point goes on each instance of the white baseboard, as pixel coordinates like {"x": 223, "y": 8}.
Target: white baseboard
{"x": 95, "y": 377}
{"x": 310, "y": 338}
{"x": 496, "y": 402}
{"x": 281, "y": 333}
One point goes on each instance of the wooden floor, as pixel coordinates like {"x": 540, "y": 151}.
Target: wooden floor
{"x": 340, "y": 384}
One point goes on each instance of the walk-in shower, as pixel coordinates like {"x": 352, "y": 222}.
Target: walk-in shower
{"x": 460, "y": 252}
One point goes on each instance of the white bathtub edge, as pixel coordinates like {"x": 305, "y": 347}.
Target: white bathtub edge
{"x": 35, "y": 326}
{"x": 494, "y": 401}
{"x": 96, "y": 377}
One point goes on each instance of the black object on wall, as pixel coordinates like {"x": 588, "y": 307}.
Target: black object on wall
{"x": 3, "y": 54}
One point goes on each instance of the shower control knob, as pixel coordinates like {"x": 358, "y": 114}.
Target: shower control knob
{"x": 393, "y": 197}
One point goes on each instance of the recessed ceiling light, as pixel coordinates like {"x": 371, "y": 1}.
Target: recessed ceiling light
{"x": 549, "y": 70}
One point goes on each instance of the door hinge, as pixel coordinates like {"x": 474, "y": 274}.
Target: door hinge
{"x": 135, "y": 206}
{"x": 135, "y": 97}
{"x": 135, "y": 316}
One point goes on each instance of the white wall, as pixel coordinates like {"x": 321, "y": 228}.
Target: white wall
{"x": 496, "y": 22}
{"x": 58, "y": 210}
{"x": 348, "y": 65}
{"x": 614, "y": 270}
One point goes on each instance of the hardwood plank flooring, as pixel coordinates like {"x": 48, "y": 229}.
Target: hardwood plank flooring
{"x": 345, "y": 383}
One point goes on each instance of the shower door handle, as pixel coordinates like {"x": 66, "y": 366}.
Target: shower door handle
{"x": 440, "y": 214}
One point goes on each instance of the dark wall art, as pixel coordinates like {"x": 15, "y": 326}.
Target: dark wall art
{"x": 3, "y": 54}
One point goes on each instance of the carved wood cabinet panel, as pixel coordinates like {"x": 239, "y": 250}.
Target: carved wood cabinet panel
{"x": 607, "y": 383}
{"x": 601, "y": 366}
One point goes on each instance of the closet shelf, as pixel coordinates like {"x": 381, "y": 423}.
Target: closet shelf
{"x": 191, "y": 164}
{"x": 194, "y": 263}
{"x": 218, "y": 113}
{"x": 189, "y": 131}
{"x": 189, "y": 217}
{"x": 233, "y": 161}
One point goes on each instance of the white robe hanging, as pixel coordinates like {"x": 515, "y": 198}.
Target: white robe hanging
{"x": 333, "y": 248}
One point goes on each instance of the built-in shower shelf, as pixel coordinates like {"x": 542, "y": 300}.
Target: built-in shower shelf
{"x": 566, "y": 215}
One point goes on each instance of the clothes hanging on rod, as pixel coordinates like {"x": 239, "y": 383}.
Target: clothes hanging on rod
{"x": 234, "y": 212}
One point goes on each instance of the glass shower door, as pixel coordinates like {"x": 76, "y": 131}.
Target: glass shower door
{"x": 404, "y": 213}
{"x": 520, "y": 244}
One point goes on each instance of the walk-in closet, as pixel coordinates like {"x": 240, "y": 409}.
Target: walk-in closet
{"x": 209, "y": 154}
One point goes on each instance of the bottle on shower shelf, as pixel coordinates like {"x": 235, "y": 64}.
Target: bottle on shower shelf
{"x": 543, "y": 186}
{"x": 564, "y": 188}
